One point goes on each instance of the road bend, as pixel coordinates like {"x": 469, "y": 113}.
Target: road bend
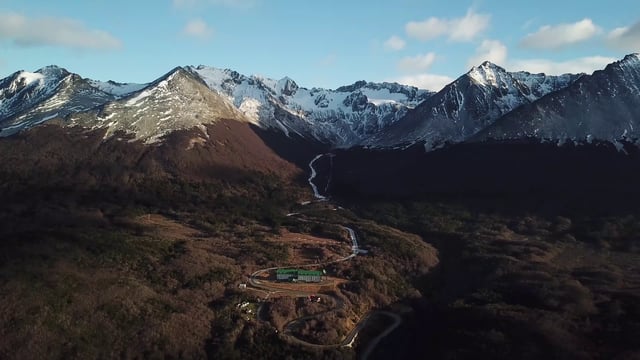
{"x": 265, "y": 288}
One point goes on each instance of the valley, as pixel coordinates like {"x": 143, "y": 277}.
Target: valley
{"x": 210, "y": 214}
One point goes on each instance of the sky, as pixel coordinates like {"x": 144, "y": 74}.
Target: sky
{"x": 326, "y": 43}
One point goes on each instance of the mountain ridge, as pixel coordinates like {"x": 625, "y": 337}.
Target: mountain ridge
{"x": 604, "y": 105}
{"x": 149, "y": 113}
{"x": 28, "y": 99}
{"x": 487, "y": 102}
{"x": 341, "y": 117}
{"x": 469, "y": 104}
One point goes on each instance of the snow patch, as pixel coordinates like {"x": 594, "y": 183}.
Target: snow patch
{"x": 283, "y": 128}
{"x": 380, "y": 102}
{"x": 29, "y": 77}
{"x": 484, "y": 74}
{"x": 619, "y": 146}
{"x": 196, "y": 141}
{"x": 141, "y": 96}
{"x": 116, "y": 89}
{"x": 251, "y": 108}
{"x": 46, "y": 118}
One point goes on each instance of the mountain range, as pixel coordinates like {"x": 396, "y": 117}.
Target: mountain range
{"x": 487, "y": 102}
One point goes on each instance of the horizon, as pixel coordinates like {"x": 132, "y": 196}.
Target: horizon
{"x": 276, "y": 79}
{"x": 423, "y": 44}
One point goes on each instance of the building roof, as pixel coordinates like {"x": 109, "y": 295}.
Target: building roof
{"x": 287, "y": 271}
{"x": 309, "y": 272}
{"x": 298, "y": 272}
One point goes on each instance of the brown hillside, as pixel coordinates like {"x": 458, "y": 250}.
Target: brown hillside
{"x": 224, "y": 150}
{"x": 227, "y": 144}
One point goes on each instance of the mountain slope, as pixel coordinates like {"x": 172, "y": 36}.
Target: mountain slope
{"x": 341, "y": 117}
{"x": 27, "y": 99}
{"x": 469, "y": 104}
{"x": 605, "y": 106}
{"x": 178, "y": 100}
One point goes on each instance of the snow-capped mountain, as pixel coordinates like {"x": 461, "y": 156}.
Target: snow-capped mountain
{"x": 176, "y": 101}
{"x": 341, "y": 117}
{"x": 486, "y": 102}
{"x": 27, "y": 99}
{"x": 468, "y": 105}
{"x": 602, "y": 106}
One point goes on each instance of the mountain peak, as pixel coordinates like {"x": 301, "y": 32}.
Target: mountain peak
{"x": 173, "y": 72}
{"x": 287, "y": 86}
{"x": 53, "y": 71}
{"x": 631, "y": 59}
{"x": 630, "y": 64}
{"x": 486, "y": 73}
{"x": 353, "y": 87}
{"x": 178, "y": 100}
{"x": 490, "y": 65}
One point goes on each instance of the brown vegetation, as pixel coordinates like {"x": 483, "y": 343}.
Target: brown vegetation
{"x": 307, "y": 249}
{"x": 117, "y": 249}
{"x": 528, "y": 286}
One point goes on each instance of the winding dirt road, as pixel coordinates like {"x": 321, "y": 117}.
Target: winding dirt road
{"x": 269, "y": 290}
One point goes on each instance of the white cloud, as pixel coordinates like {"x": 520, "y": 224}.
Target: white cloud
{"x": 425, "y": 81}
{"x": 458, "y": 29}
{"x": 417, "y": 63}
{"x": 25, "y": 31}
{"x": 549, "y": 67}
{"x": 626, "y": 38}
{"x": 489, "y": 50}
{"x": 496, "y": 52}
{"x": 197, "y": 28}
{"x": 227, "y": 3}
{"x": 394, "y": 43}
{"x": 560, "y": 36}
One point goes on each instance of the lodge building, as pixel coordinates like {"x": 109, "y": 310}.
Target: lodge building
{"x": 298, "y": 275}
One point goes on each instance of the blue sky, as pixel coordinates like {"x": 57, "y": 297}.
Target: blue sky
{"x": 317, "y": 43}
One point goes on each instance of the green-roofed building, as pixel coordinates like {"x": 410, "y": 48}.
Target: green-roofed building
{"x": 298, "y": 275}
{"x": 309, "y": 275}
{"x": 286, "y": 274}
